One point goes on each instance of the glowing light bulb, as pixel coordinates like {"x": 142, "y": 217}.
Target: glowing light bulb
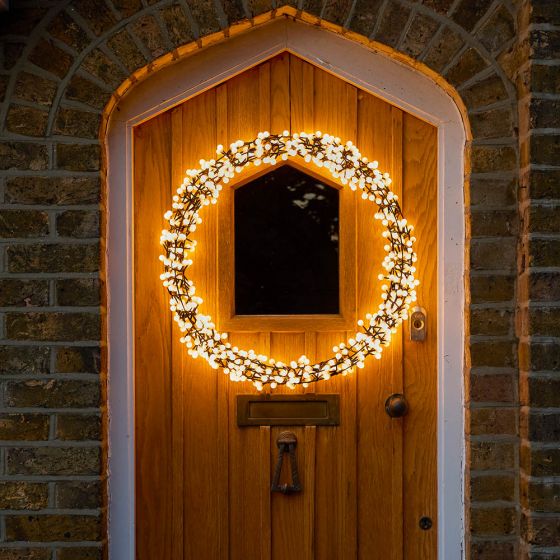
{"x": 201, "y": 187}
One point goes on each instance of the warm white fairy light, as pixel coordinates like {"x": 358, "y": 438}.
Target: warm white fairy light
{"x": 202, "y": 187}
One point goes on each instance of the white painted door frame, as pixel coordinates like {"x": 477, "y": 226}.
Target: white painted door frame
{"x": 377, "y": 73}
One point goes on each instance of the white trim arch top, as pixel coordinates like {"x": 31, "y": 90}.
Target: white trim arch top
{"x": 385, "y": 77}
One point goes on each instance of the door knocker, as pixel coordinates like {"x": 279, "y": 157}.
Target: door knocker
{"x": 286, "y": 442}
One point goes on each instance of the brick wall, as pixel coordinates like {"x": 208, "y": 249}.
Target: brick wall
{"x": 61, "y": 62}
{"x": 539, "y": 281}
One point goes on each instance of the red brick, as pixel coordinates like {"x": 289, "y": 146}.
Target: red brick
{"x": 493, "y": 520}
{"x": 25, "y": 554}
{"x": 540, "y": 462}
{"x": 49, "y": 528}
{"x": 53, "y": 326}
{"x": 493, "y": 421}
{"x": 492, "y": 288}
{"x": 97, "y": 15}
{"x": 493, "y": 455}
{"x": 541, "y": 531}
{"x": 18, "y": 495}
{"x": 492, "y": 388}
{"x": 494, "y": 254}
{"x": 540, "y": 496}
{"x": 53, "y": 393}
{"x": 485, "y": 158}
{"x": 59, "y": 461}
{"x": 489, "y": 488}
{"x": 24, "y": 427}
{"x": 490, "y": 550}
{"x": 494, "y": 353}
{"x": 80, "y": 553}
{"x": 542, "y": 392}
{"x": 470, "y": 63}
{"x": 49, "y": 57}
{"x": 493, "y": 322}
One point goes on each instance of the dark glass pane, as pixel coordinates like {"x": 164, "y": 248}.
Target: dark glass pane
{"x": 286, "y": 245}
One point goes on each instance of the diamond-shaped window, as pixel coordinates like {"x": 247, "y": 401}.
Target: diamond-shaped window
{"x": 286, "y": 245}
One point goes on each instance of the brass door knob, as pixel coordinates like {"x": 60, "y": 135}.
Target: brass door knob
{"x": 396, "y": 406}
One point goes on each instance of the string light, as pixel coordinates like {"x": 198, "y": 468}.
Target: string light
{"x": 201, "y": 187}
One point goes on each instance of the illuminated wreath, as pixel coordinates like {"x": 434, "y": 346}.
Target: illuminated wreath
{"x": 201, "y": 187}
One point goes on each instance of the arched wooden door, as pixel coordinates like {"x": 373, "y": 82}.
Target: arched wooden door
{"x": 203, "y": 482}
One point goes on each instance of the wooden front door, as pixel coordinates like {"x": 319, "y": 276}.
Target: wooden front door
{"x": 203, "y": 482}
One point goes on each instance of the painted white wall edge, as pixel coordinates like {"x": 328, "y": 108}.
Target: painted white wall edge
{"x": 374, "y": 72}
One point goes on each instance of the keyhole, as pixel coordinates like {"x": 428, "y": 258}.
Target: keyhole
{"x": 418, "y": 324}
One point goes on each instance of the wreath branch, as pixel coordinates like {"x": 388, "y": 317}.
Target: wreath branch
{"x": 202, "y": 186}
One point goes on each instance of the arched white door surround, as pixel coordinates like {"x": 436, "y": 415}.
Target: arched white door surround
{"x": 377, "y": 73}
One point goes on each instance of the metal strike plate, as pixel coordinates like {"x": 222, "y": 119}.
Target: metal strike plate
{"x": 288, "y": 410}
{"x": 417, "y": 324}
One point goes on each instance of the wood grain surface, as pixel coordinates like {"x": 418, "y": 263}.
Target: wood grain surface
{"x": 202, "y": 482}
{"x": 152, "y": 344}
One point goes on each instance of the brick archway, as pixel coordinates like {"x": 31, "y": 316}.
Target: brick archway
{"x": 65, "y": 66}
{"x": 406, "y": 88}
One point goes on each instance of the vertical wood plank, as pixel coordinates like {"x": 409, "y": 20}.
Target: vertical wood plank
{"x": 311, "y": 352}
{"x": 249, "y": 478}
{"x": 225, "y": 295}
{"x": 264, "y": 97}
{"x": 420, "y": 359}
{"x": 152, "y": 330}
{"x": 289, "y": 535}
{"x": 222, "y": 482}
{"x": 266, "y": 470}
{"x": 330, "y": 475}
{"x": 265, "y": 513}
{"x": 245, "y": 112}
{"x": 347, "y": 465}
{"x": 244, "y": 106}
{"x": 301, "y": 95}
{"x": 396, "y": 353}
{"x": 379, "y": 441}
{"x": 280, "y": 93}
{"x": 335, "y": 112}
{"x": 308, "y": 552}
{"x": 178, "y": 358}
{"x": 223, "y": 381}
{"x": 201, "y": 429}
